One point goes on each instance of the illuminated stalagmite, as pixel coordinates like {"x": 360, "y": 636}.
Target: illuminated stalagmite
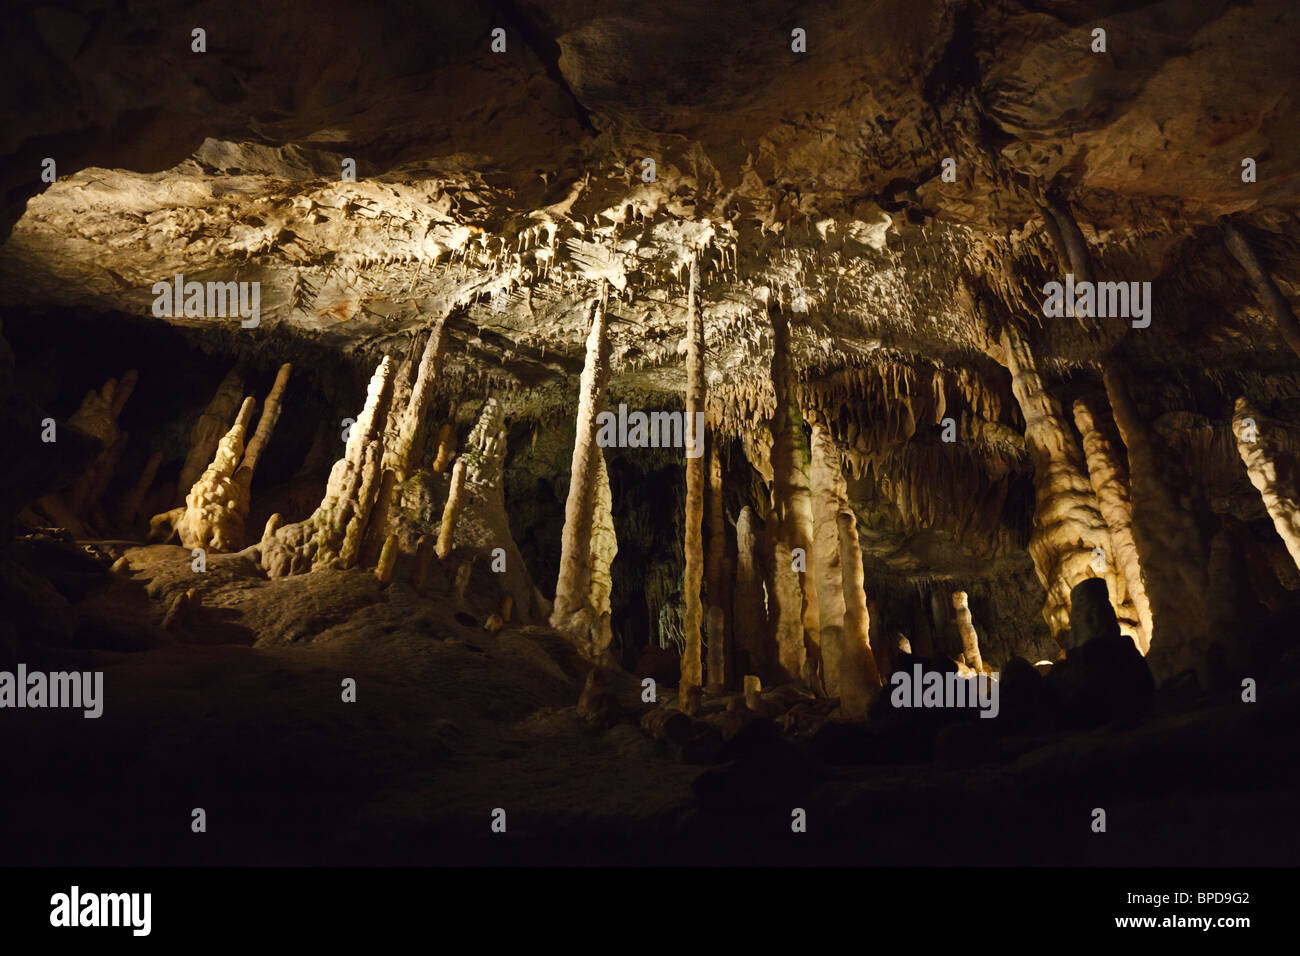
{"x": 1271, "y": 465}
{"x": 207, "y": 431}
{"x": 859, "y": 675}
{"x": 570, "y": 613}
{"x": 329, "y": 537}
{"x": 795, "y": 591}
{"x": 848, "y": 669}
{"x": 749, "y": 610}
{"x": 970, "y": 642}
{"x": 217, "y": 504}
{"x": 201, "y": 523}
{"x": 410, "y": 426}
{"x": 1110, "y": 484}
{"x": 1174, "y": 556}
{"x": 721, "y": 661}
{"x": 604, "y": 547}
{"x": 693, "y": 623}
{"x": 1067, "y": 522}
{"x": 451, "y": 511}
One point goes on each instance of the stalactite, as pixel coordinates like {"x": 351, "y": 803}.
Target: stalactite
{"x": 322, "y": 539}
{"x": 692, "y": 669}
{"x": 1110, "y": 484}
{"x": 1067, "y": 522}
{"x": 1266, "y": 290}
{"x": 1173, "y": 553}
{"x": 569, "y": 613}
{"x": 1272, "y": 469}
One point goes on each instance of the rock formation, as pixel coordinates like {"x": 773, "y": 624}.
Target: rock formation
{"x": 1110, "y": 485}
{"x": 571, "y": 613}
{"x": 1271, "y": 466}
{"x": 693, "y": 624}
{"x": 332, "y": 535}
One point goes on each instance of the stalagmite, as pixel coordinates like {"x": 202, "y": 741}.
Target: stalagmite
{"x": 320, "y": 541}
{"x": 721, "y": 662}
{"x": 97, "y": 416}
{"x": 376, "y": 535}
{"x": 424, "y": 555}
{"x": 266, "y": 424}
{"x": 207, "y": 521}
{"x": 570, "y": 614}
{"x": 218, "y": 503}
{"x": 970, "y": 642}
{"x": 604, "y": 547}
{"x": 797, "y": 616}
{"x": 829, "y": 497}
{"x": 749, "y": 613}
{"x": 451, "y": 511}
{"x": 859, "y": 677}
{"x": 1173, "y": 553}
{"x": 693, "y": 545}
{"x": 446, "y": 448}
{"x": 1266, "y": 290}
{"x": 1272, "y": 469}
{"x": 129, "y": 510}
{"x": 387, "y": 559}
{"x": 1067, "y": 522}
{"x": 207, "y": 431}
{"x": 1110, "y": 484}
{"x": 411, "y": 425}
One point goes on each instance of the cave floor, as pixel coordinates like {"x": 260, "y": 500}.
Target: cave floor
{"x": 239, "y": 711}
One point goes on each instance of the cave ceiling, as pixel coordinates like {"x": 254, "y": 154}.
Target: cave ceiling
{"x": 503, "y": 189}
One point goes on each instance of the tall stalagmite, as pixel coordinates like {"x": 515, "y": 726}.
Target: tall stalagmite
{"x": 204, "y": 522}
{"x": 1271, "y": 466}
{"x": 721, "y": 661}
{"x": 749, "y": 609}
{"x": 1109, "y": 481}
{"x": 1173, "y": 552}
{"x": 207, "y": 431}
{"x": 829, "y": 498}
{"x": 970, "y": 642}
{"x": 1067, "y": 523}
{"x": 693, "y": 622}
{"x": 797, "y": 616}
{"x": 570, "y": 613}
{"x": 329, "y": 537}
{"x": 217, "y": 505}
{"x": 859, "y": 675}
